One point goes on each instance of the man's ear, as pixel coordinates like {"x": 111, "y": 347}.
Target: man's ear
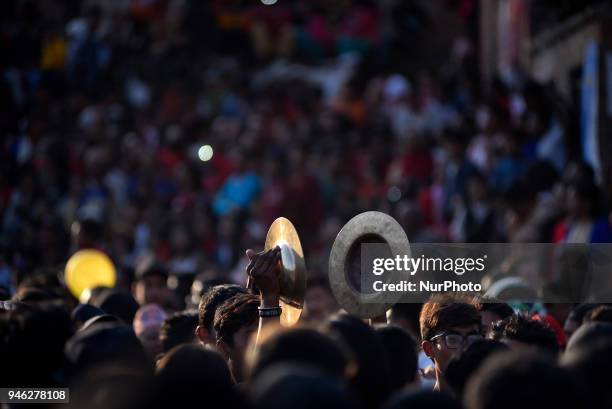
{"x": 202, "y": 334}
{"x": 428, "y": 348}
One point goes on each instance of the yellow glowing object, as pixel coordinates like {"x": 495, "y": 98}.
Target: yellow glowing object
{"x": 87, "y": 269}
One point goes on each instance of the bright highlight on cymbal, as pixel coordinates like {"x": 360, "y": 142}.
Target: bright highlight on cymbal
{"x": 268, "y": 2}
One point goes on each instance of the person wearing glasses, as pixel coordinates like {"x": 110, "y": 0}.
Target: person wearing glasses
{"x": 449, "y": 323}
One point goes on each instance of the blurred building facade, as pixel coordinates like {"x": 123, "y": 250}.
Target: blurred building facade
{"x": 548, "y": 41}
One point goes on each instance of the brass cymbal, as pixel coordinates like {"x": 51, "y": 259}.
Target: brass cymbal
{"x": 282, "y": 233}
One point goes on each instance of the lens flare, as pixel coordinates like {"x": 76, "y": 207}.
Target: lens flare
{"x": 205, "y": 153}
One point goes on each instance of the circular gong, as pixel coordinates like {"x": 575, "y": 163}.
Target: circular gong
{"x": 383, "y": 233}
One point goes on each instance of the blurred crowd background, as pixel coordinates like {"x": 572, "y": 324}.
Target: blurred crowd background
{"x": 176, "y": 131}
{"x": 169, "y": 134}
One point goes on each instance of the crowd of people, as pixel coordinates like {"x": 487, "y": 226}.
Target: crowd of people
{"x": 110, "y": 110}
{"x": 169, "y": 134}
{"x": 453, "y": 351}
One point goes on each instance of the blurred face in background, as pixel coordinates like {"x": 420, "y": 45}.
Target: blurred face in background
{"x": 150, "y": 342}
{"x": 575, "y": 205}
{"x": 318, "y": 303}
{"x": 147, "y": 324}
{"x": 179, "y": 240}
{"x": 477, "y": 190}
{"x": 151, "y": 289}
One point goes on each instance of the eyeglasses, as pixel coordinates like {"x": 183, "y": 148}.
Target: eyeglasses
{"x": 455, "y": 341}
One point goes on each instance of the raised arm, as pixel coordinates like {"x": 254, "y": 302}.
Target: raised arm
{"x": 263, "y": 270}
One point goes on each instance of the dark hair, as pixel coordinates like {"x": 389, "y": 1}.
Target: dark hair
{"x": 37, "y": 332}
{"x": 84, "y": 312}
{"x": 501, "y": 309}
{"x": 30, "y": 295}
{"x": 588, "y": 191}
{"x": 305, "y": 346}
{"x": 119, "y": 303}
{"x": 106, "y": 345}
{"x": 410, "y": 313}
{"x": 151, "y": 269}
{"x": 190, "y": 372}
{"x": 91, "y": 228}
{"x": 524, "y": 329}
{"x": 372, "y": 379}
{"x": 4, "y": 293}
{"x": 117, "y": 392}
{"x": 237, "y": 312}
{"x": 422, "y": 400}
{"x": 191, "y": 363}
{"x": 177, "y": 329}
{"x": 444, "y": 311}
{"x": 591, "y": 364}
{"x": 542, "y": 174}
{"x": 42, "y": 285}
{"x": 580, "y": 311}
{"x": 212, "y": 299}
{"x": 402, "y": 355}
{"x": 298, "y": 387}
{"x": 462, "y": 367}
{"x": 510, "y": 380}
{"x": 588, "y": 333}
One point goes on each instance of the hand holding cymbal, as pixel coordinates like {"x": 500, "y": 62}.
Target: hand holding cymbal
{"x": 264, "y": 270}
{"x": 279, "y": 271}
